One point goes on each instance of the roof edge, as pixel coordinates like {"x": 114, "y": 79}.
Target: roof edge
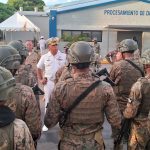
{"x": 97, "y": 5}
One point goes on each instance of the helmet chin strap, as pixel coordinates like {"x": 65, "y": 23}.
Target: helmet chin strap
{"x": 122, "y": 56}
{"x": 13, "y": 71}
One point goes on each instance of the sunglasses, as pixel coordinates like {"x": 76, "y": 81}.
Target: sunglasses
{"x": 54, "y": 45}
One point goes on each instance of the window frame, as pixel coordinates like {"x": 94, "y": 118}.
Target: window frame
{"x": 99, "y": 39}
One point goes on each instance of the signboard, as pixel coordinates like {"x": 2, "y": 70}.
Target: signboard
{"x": 118, "y": 12}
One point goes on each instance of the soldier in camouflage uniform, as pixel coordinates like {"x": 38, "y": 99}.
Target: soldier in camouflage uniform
{"x": 138, "y": 108}
{"x": 96, "y": 46}
{"x": 123, "y": 73}
{"x": 33, "y": 57}
{"x": 25, "y": 74}
{"x": 14, "y": 133}
{"x": 83, "y": 127}
{"x": 22, "y": 100}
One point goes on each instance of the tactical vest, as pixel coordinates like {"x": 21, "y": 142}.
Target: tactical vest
{"x": 128, "y": 78}
{"x": 90, "y": 109}
{"x": 7, "y": 137}
{"x": 144, "y": 109}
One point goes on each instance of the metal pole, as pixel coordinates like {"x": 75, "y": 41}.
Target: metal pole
{"x": 108, "y": 40}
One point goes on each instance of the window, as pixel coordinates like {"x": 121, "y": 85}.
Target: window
{"x": 85, "y": 35}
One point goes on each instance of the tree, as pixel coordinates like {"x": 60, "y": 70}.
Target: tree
{"x": 28, "y": 5}
{"x": 5, "y": 11}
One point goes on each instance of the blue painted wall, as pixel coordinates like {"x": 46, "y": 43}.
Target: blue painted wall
{"x": 53, "y": 23}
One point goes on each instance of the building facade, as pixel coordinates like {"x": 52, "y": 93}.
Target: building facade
{"x": 110, "y": 21}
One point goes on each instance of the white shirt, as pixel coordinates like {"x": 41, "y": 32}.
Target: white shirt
{"x": 50, "y": 64}
{"x": 42, "y": 43}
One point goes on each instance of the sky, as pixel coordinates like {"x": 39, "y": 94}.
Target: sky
{"x": 48, "y": 2}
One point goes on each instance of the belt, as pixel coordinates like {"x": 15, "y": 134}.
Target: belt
{"x": 97, "y": 136}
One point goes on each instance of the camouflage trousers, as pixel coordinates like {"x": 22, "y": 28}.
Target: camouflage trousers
{"x": 93, "y": 141}
{"x": 139, "y": 136}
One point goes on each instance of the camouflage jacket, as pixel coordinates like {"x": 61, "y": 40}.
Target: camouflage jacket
{"x": 138, "y": 105}
{"x": 18, "y": 133}
{"x": 26, "y": 76}
{"x": 62, "y": 74}
{"x": 22, "y": 101}
{"x": 97, "y": 48}
{"x": 33, "y": 59}
{"x": 22, "y": 137}
{"x": 124, "y": 75}
{"x": 88, "y": 116}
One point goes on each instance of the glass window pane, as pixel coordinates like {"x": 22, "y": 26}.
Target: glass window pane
{"x": 76, "y": 33}
{"x": 98, "y": 35}
{"x": 66, "y": 33}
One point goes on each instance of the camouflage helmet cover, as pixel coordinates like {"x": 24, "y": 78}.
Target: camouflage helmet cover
{"x": 128, "y": 45}
{"x": 80, "y": 52}
{"x": 9, "y": 57}
{"x": 7, "y": 81}
{"x": 19, "y": 46}
{"x": 145, "y": 58}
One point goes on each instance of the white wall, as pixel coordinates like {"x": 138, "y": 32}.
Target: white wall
{"x": 42, "y": 22}
{"x": 19, "y": 36}
{"x": 146, "y": 40}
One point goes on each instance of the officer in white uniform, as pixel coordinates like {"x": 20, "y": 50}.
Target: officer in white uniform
{"x": 48, "y": 66}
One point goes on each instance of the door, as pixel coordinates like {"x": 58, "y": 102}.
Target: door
{"x": 121, "y": 35}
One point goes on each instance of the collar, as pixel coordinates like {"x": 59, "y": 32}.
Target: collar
{"x": 50, "y": 54}
{"x": 84, "y": 75}
{"x": 6, "y": 116}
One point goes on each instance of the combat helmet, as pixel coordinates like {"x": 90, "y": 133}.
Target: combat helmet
{"x": 18, "y": 45}
{"x": 7, "y": 81}
{"x": 80, "y": 52}
{"x": 145, "y": 58}
{"x": 128, "y": 45}
{"x": 9, "y": 57}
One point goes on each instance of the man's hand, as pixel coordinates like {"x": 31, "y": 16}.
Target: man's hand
{"x": 43, "y": 81}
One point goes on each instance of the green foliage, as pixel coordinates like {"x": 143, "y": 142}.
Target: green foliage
{"x": 5, "y": 11}
{"x": 75, "y": 38}
{"x": 28, "y": 5}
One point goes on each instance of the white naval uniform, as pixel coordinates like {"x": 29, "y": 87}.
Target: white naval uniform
{"x": 50, "y": 65}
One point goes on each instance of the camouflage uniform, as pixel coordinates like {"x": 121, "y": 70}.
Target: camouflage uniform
{"x": 82, "y": 129}
{"x": 95, "y": 64}
{"x": 140, "y": 130}
{"x": 138, "y": 108}
{"x": 33, "y": 59}
{"x": 14, "y": 134}
{"x": 26, "y": 76}
{"x": 124, "y": 75}
{"x": 97, "y": 48}
{"x": 20, "y": 136}
{"x": 22, "y": 101}
{"x": 63, "y": 74}
{"x": 103, "y": 97}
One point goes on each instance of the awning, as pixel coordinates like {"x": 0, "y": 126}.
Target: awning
{"x": 130, "y": 27}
